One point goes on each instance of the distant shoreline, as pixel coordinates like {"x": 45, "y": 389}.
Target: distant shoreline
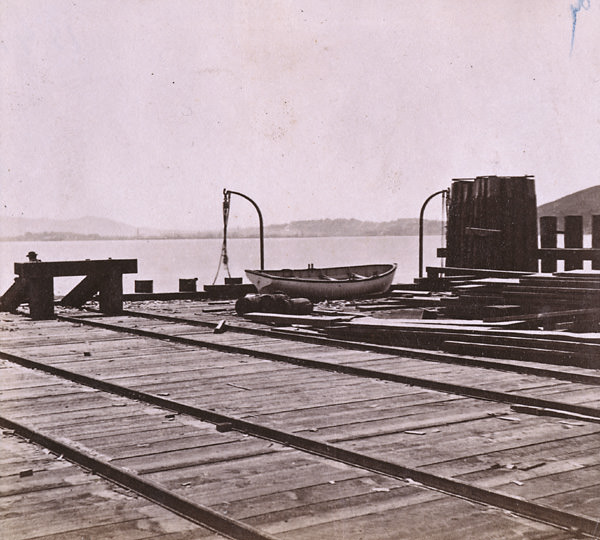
{"x": 94, "y": 238}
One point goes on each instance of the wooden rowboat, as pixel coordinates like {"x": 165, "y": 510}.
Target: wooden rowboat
{"x": 325, "y": 283}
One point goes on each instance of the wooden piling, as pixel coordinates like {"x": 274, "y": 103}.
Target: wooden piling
{"x": 573, "y": 239}
{"x": 187, "y": 285}
{"x": 40, "y": 291}
{"x": 111, "y": 293}
{"x": 548, "y": 239}
{"x": 596, "y": 241}
{"x": 143, "y": 286}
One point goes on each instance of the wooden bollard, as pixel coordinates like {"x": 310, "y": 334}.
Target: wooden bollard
{"x": 573, "y": 239}
{"x": 548, "y": 235}
{"x": 143, "y": 286}
{"x": 187, "y": 285}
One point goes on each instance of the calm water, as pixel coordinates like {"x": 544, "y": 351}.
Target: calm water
{"x": 165, "y": 261}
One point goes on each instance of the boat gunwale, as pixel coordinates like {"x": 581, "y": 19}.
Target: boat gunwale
{"x": 391, "y": 268}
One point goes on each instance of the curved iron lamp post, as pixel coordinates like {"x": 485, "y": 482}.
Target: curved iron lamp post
{"x": 446, "y": 191}
{"x": 260, "y": 224}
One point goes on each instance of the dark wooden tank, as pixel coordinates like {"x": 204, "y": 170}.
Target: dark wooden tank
{"x": 492, "y": 223}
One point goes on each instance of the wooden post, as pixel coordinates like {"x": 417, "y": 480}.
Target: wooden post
{"x": 548, "y": 235}
{"x": 111, "y": 293}
{"x": 596, "y": 241}
{"x": 143, "y": 286}
{"x": 573, "y": 239}
{"x": 40, "y": 291}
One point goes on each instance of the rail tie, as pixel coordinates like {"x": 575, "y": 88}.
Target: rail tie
{"x": 197, "y": 513}
{"x": 326, "y": 450}
{"x": 467, "y": 391}
{"x": 430, "y": 355}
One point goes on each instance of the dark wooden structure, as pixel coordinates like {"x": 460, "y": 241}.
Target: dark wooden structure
{"x": 492, "y": 223}
{"x": 573, "y": 252}
{"x": 35, "y": 285}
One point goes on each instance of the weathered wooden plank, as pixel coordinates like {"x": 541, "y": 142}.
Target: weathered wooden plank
{"x": 64, "y": 501}
{"x": 376, "y": 516}
{"x": 74, "y": 268}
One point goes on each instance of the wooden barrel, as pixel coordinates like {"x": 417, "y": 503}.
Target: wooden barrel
{"x": 247, "y": 304}
{"x": 274, "y": 303}
{"x": 492, "y": 223}
{"x": 300, "y": 306}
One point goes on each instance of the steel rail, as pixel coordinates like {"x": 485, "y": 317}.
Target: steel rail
{"x": 186, "y": 508}
{"x": 451, "y": 388}
{"x": 419, "y": 354}
{"x": 450, "y": 486}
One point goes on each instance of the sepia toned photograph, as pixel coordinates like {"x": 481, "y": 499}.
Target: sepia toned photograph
{"x": 299, "y": 270}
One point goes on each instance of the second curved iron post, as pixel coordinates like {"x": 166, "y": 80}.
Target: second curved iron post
{"x": 421, "y": 227}
{"x": 260, "y": 224}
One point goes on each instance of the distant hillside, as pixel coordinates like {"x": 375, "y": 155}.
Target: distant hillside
{"x": 68, "y": 229}
{"x": 91, "y": 228}
{"x": 582, "y": 203}
{"x": 345, "y": 227}
{"x": 585, "y": 202}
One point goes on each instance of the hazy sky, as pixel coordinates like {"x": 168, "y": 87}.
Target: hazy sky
{"x": 144, "y": 110}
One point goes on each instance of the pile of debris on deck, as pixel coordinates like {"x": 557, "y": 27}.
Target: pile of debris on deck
{"x": 549, "y": 318}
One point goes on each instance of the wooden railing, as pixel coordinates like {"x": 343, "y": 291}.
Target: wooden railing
{"x": 573, "y": 252}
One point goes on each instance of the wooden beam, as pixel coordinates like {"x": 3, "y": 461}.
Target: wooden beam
{"x": 75, "y": 268}
{"x": 83, "y": 291}
{"x": 563, "y": 254}
{"x": 14, "y": 296}
{"x": 451, "y": 270}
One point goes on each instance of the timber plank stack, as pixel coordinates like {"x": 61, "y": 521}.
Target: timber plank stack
{"x": 534, "y": 300}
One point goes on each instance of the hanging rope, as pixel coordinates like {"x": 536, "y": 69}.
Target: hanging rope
{"x": 224, "y": 258}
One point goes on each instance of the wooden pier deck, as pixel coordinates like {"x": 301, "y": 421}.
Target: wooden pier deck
{"x": 253, "y": 433}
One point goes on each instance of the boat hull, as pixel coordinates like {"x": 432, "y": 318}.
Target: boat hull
{"x": 325, "y": 283}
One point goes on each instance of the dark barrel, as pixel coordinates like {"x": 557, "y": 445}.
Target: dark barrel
{"x": 492, "y": 223}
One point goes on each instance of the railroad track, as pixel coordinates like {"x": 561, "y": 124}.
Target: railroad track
{"x": 222, "y": 523}
{"x": 434, "y": 356}
{"x": 205, "y": 341}
{"x": 306, "y": 443}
